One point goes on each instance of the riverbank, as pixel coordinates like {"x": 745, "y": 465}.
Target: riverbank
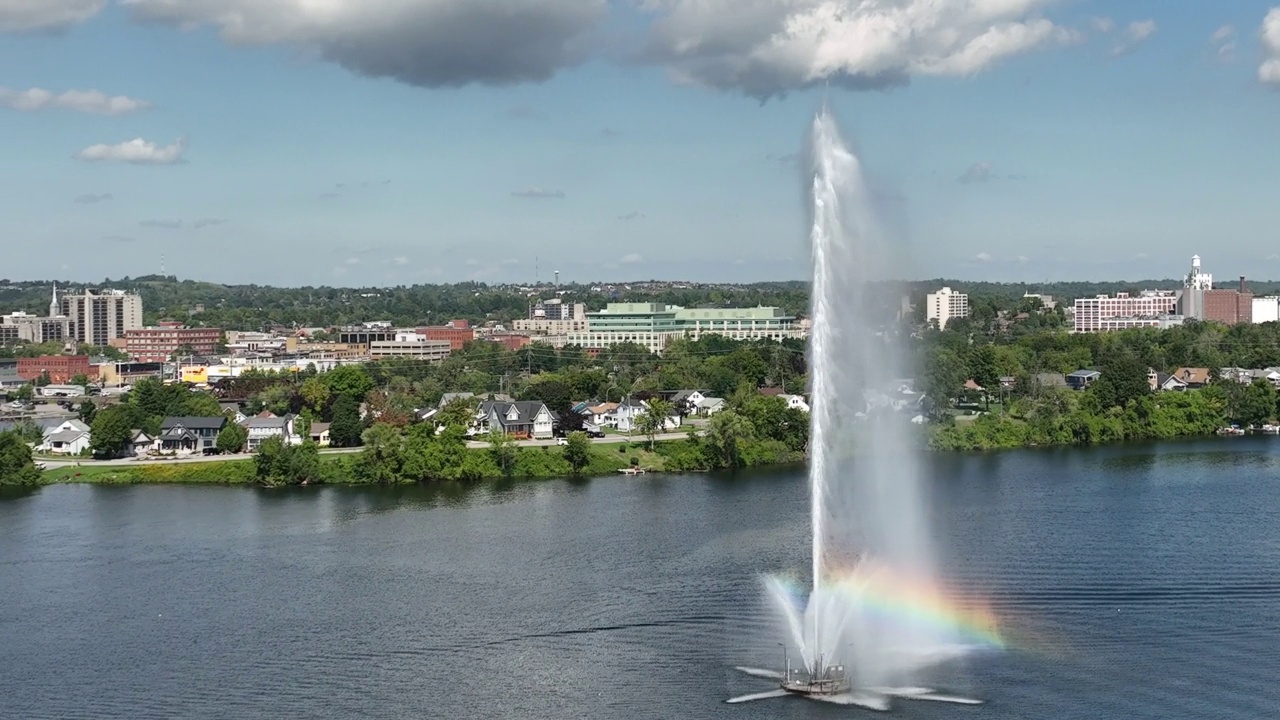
{"x": 475, "y": 464}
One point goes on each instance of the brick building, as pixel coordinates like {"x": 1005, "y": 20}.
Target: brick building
{"x": 457, "y": 332}
{"x": 1229, "y": 306}
{"x": 159, "y": 344}
{"x": 61, "y": 368}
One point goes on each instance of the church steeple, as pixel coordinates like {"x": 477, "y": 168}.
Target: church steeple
{"x": 54, "y": 310}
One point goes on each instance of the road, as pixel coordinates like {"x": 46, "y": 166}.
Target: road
{"x": 475, "y": 444}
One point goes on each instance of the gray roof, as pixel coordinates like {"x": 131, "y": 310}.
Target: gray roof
{"x": 450, "y": 397}
{"x": 66, "y": 436}
{"x": 711, "y": 402}
{"x": 269, "y": 422}
{"x": 319, "y": 427}
{"x": 194, "y": 423}
{"x": 684, "y": 394}
{"x": 528, "y": 410}
{"x": 1085, "y": 373}
{"x": 75, "y": 425}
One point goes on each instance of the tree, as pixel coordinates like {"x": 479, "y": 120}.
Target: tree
{"x": 578, "y": 451}
{"x": 382, "y": 460}
{"x": 279, "y": 464}
{"x": 349, "y": 380}
{"x": 277, "y": 398}
{"x": 726, "y": 433}
{"x": 43, "y": 380}
{"x": 231, "y": 438}
{"x": 87, "y": 411}
{"x": 458, "y": 412}
{"x": 503, "y": 450}
{"x": 315, "y": 393}
{"x": 82, "y": 380}
{"x": 347, "y": 426}
{"x": 16, "y": 465}
{"x": 944, "y": 375}
{"x": 25, "y": 393}
{"x": 112, "y": 431}
{"x": 654, "y": 419}
{"x": 1257, "y": 404}
{"x": 1124, "y": 379}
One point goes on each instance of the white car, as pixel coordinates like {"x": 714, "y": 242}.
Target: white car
{"x": 562, "y": 441}
{"x": 16, "y": 404}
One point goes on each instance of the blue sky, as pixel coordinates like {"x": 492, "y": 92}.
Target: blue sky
{"x": 385, "y": 142}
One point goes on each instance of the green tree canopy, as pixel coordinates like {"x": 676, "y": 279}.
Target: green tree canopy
{"x": 16, "y": 466}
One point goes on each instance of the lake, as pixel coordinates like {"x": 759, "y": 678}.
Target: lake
{"x": 1137, "y": 581}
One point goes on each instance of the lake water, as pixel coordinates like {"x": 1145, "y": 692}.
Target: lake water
{"x": 1138, "y": 582}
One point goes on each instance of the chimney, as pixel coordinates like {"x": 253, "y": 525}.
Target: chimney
{"x": 1242, "y": 290}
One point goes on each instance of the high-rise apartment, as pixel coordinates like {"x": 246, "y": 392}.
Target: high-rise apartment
{"x": 100, "y": 317}
{"x": 945, "y": 305}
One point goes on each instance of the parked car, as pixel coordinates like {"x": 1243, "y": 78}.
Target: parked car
{"x": 595, "y": 433}
{"x": 562, "y": 441}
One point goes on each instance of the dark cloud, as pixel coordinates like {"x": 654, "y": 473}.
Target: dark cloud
{"x": 633, "y": 215}
{"x": 979, "y": 172}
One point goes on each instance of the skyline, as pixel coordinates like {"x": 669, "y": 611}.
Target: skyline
{"x": 339, "y": 143}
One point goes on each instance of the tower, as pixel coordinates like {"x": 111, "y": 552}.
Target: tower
{"x": 54, "y": 310}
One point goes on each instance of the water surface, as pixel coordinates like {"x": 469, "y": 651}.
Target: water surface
{"x": 1135, "y": 582}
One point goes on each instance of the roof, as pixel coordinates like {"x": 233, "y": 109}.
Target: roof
{"x": 1084, "y": 373}
{"x": 1193, "y": 375}
{"x": 772, "y": 391}
{"x": 230, "y": 406}
{"x": 711, "y": 402}
{"x": 603, "y": 408}
{"x": 193, "y": 423}
{"x": 72, "y": 425}
{"x": 682, "y": 395}
{"x": 318, "y": 428}
{"x": 138, "y": 435}
{"x": 527, "y": 410}
{"x": 972, "y": 384}
{"x": 184, "y": 434}
{"x": 447, "y": 398}
{"x": 269, "y": 423}
{"x": 66, "y": 436}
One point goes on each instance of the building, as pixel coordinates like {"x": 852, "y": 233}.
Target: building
{"x": 429, "y": 350}
{"x": 1265, "y": 309}
{"x": 191, "y": 434}
{"x": 1194, "y": 285}
{"x": 1081, "y": 379}
{"x": 116, "y": 374}
{"x": 61, "y": 368}
{"x": 1229, "y": 307}
{"x": 319, "y": 434}
{"x": 72, "y": 437}
{"x": 653, "y": 325}
{"x": 160, "y": 344}
{"x": 24, "y": 327}
{"x": 944, "y": 305}
{"x": 98, "y": 318}
{"x": 457, "y": 333}
{"x": 554, "y": 318}
{"x": 508, "y": 340}
{"x": 1102, "y": 313}
{"x": 521, "y": 419}
{"x": 364, "y": 335}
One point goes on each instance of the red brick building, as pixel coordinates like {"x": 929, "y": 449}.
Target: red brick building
{"x": 158, "y": 344}
{"x": 510, "y": 341}
{"x": 1229, "y": 307}
{"x": 458, "y": 333}
{"x": 61, "y": 368}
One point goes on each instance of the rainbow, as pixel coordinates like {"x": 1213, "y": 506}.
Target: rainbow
{"x": 899, "y": 598}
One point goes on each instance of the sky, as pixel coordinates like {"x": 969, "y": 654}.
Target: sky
{"x": 388, "y": 142}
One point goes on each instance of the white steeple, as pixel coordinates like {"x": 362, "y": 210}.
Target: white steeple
{"x": 54, "y": 310}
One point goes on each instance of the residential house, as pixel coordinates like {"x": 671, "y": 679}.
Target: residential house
{"x": 686, "y": 401}
{"x": 233, "y": 412}
{"x": 69, "y": 438}
{"x": 1164, "y": 382}
{"x": 447, "y": 398}
{"x": 602, "y": 414}
{"x": 629, "y": 412}
{"x": 711, "y": 405}
{"x": 1051, "y": 380}
{"x": 972, "y": 386}
{"x": 191, "y": 434}
{"x": 1193, "y": 377}
{"x": 1247, "y": 377}
{"x": 320, "y": 433}
{"x": 796, "y": 402}
{"x": 520, "y": 419}
{"x": 263, "y": 428}
{"x": 1081, "y": 379}
{"x": 140, "y": 443}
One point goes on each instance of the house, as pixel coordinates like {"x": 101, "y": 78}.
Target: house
{"x": 711, "y": 405}
{"x": 602, "y": 414}
{"x": 1081, "y": 379}
{"x": 1164, "y": 382}
{"x": 686, "y": 401}
{"x": 973, "y": 386}
{"x": 629, "y": 412}
{"x": 1193, "y": 377}
{"x": 772, "y": 391}
{"x": 71, "y": 437}
{"x": 140, "y": 443}
{"x": 447, "y": 398}
{"x": 796, "y": 402}
{"x": 520, "y": 419}
{"x": 1247, "y": 377}
{"x": 1051, "y": 380}
{"x": 233, "y": 412}
{"x": 191, "y": 434}
{"x": 319, "y": 433}
{"x": 263, "y": 428}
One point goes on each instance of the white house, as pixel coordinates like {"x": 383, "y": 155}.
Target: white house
{"x": 525, "y": 418}
{"x": 69, "y": 438}
{"x": 261, "y": 428}
{"x": 711, "y": 405}
{"x": 602, "y": 415}
{"x": 795, "y": 402}
{"x": 140, "y": 444}
{"x": 320, "y": 433}
{"x": 687, "y": 400}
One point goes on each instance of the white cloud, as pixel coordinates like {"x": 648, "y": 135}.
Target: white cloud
{"x": 19, "y": 16}
{"x": 1269, "y": 70}
{"x": 136, "y": 151}
{"x": 353, "y": 260}
{"x": 1023, "y": 259}
{"x": 982, "y": 257}
{"x": 85, "y": 101}
{"x": 538, "y": 194}
{"x": 1223, "y": 42}
{"x": 91, "y": 198}
{"x": 431, "y": 43}
{"x": 401, "y": 260}
{"x": 977, "y": 173}
{"x": 1103, "y": 24}
{"x": 631, "y": 259}
{"x": 1135, "y": 34}
{"x": 766, "y": 47}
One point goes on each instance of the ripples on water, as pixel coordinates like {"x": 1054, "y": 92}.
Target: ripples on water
{"x": 1134, "y": 582}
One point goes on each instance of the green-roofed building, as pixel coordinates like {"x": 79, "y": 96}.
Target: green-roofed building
{"x": 653, "y": 325}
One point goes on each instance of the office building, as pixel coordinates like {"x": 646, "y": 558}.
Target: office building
{"x": 99, "y": 317}
{"x": 1102, "y": 313}
{"x": 456, "y": 332}
{"x": 944, "y": 305}
{"x": 554, "y": 318}
{"x": 160, "y": 344}
{"x": 653, "y": 325}
{"x": 60, "y": 368}
{"x": 429, "y": 350}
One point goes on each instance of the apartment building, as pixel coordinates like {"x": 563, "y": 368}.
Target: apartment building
{"x": 653, "y": 325}
{"x": 945, "y": 305}
{"x": 1103, "y": 313}
{"x": 160, "y": 344}
{"x": 99, "y": 317}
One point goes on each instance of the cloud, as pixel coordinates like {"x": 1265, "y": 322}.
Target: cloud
{"x": 1269, "y": 70}
{"x": 1023, "y": 259}
{"x": 977, "y": 173}
{"x": 165, "y": 224}
{"x": 631, "y": 259}
{"x": 1135, "y": 34}
{"x": 22, "y": 16}
{"x": 538, "y": 194}
{"x": 91, "y": 198}
{"x": 982, "y": 257}
{"x": 85, "y": 101}
{"x": 207, "y": 222}
{"x": 633, "y": 215}
{"x": 429, "y": 43}
{"x": 1223, "y": 42}
{"x": 400, "y": 260}
{"x": 1102, "y": 24}
{"x": 119, "y": 238}
{"x": 136, "y": 152}
{"x": 765, "y": 48}
{"x": 353, "y": 260}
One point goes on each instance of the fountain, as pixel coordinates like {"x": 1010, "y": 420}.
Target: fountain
{"x": 874, "y": 618}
